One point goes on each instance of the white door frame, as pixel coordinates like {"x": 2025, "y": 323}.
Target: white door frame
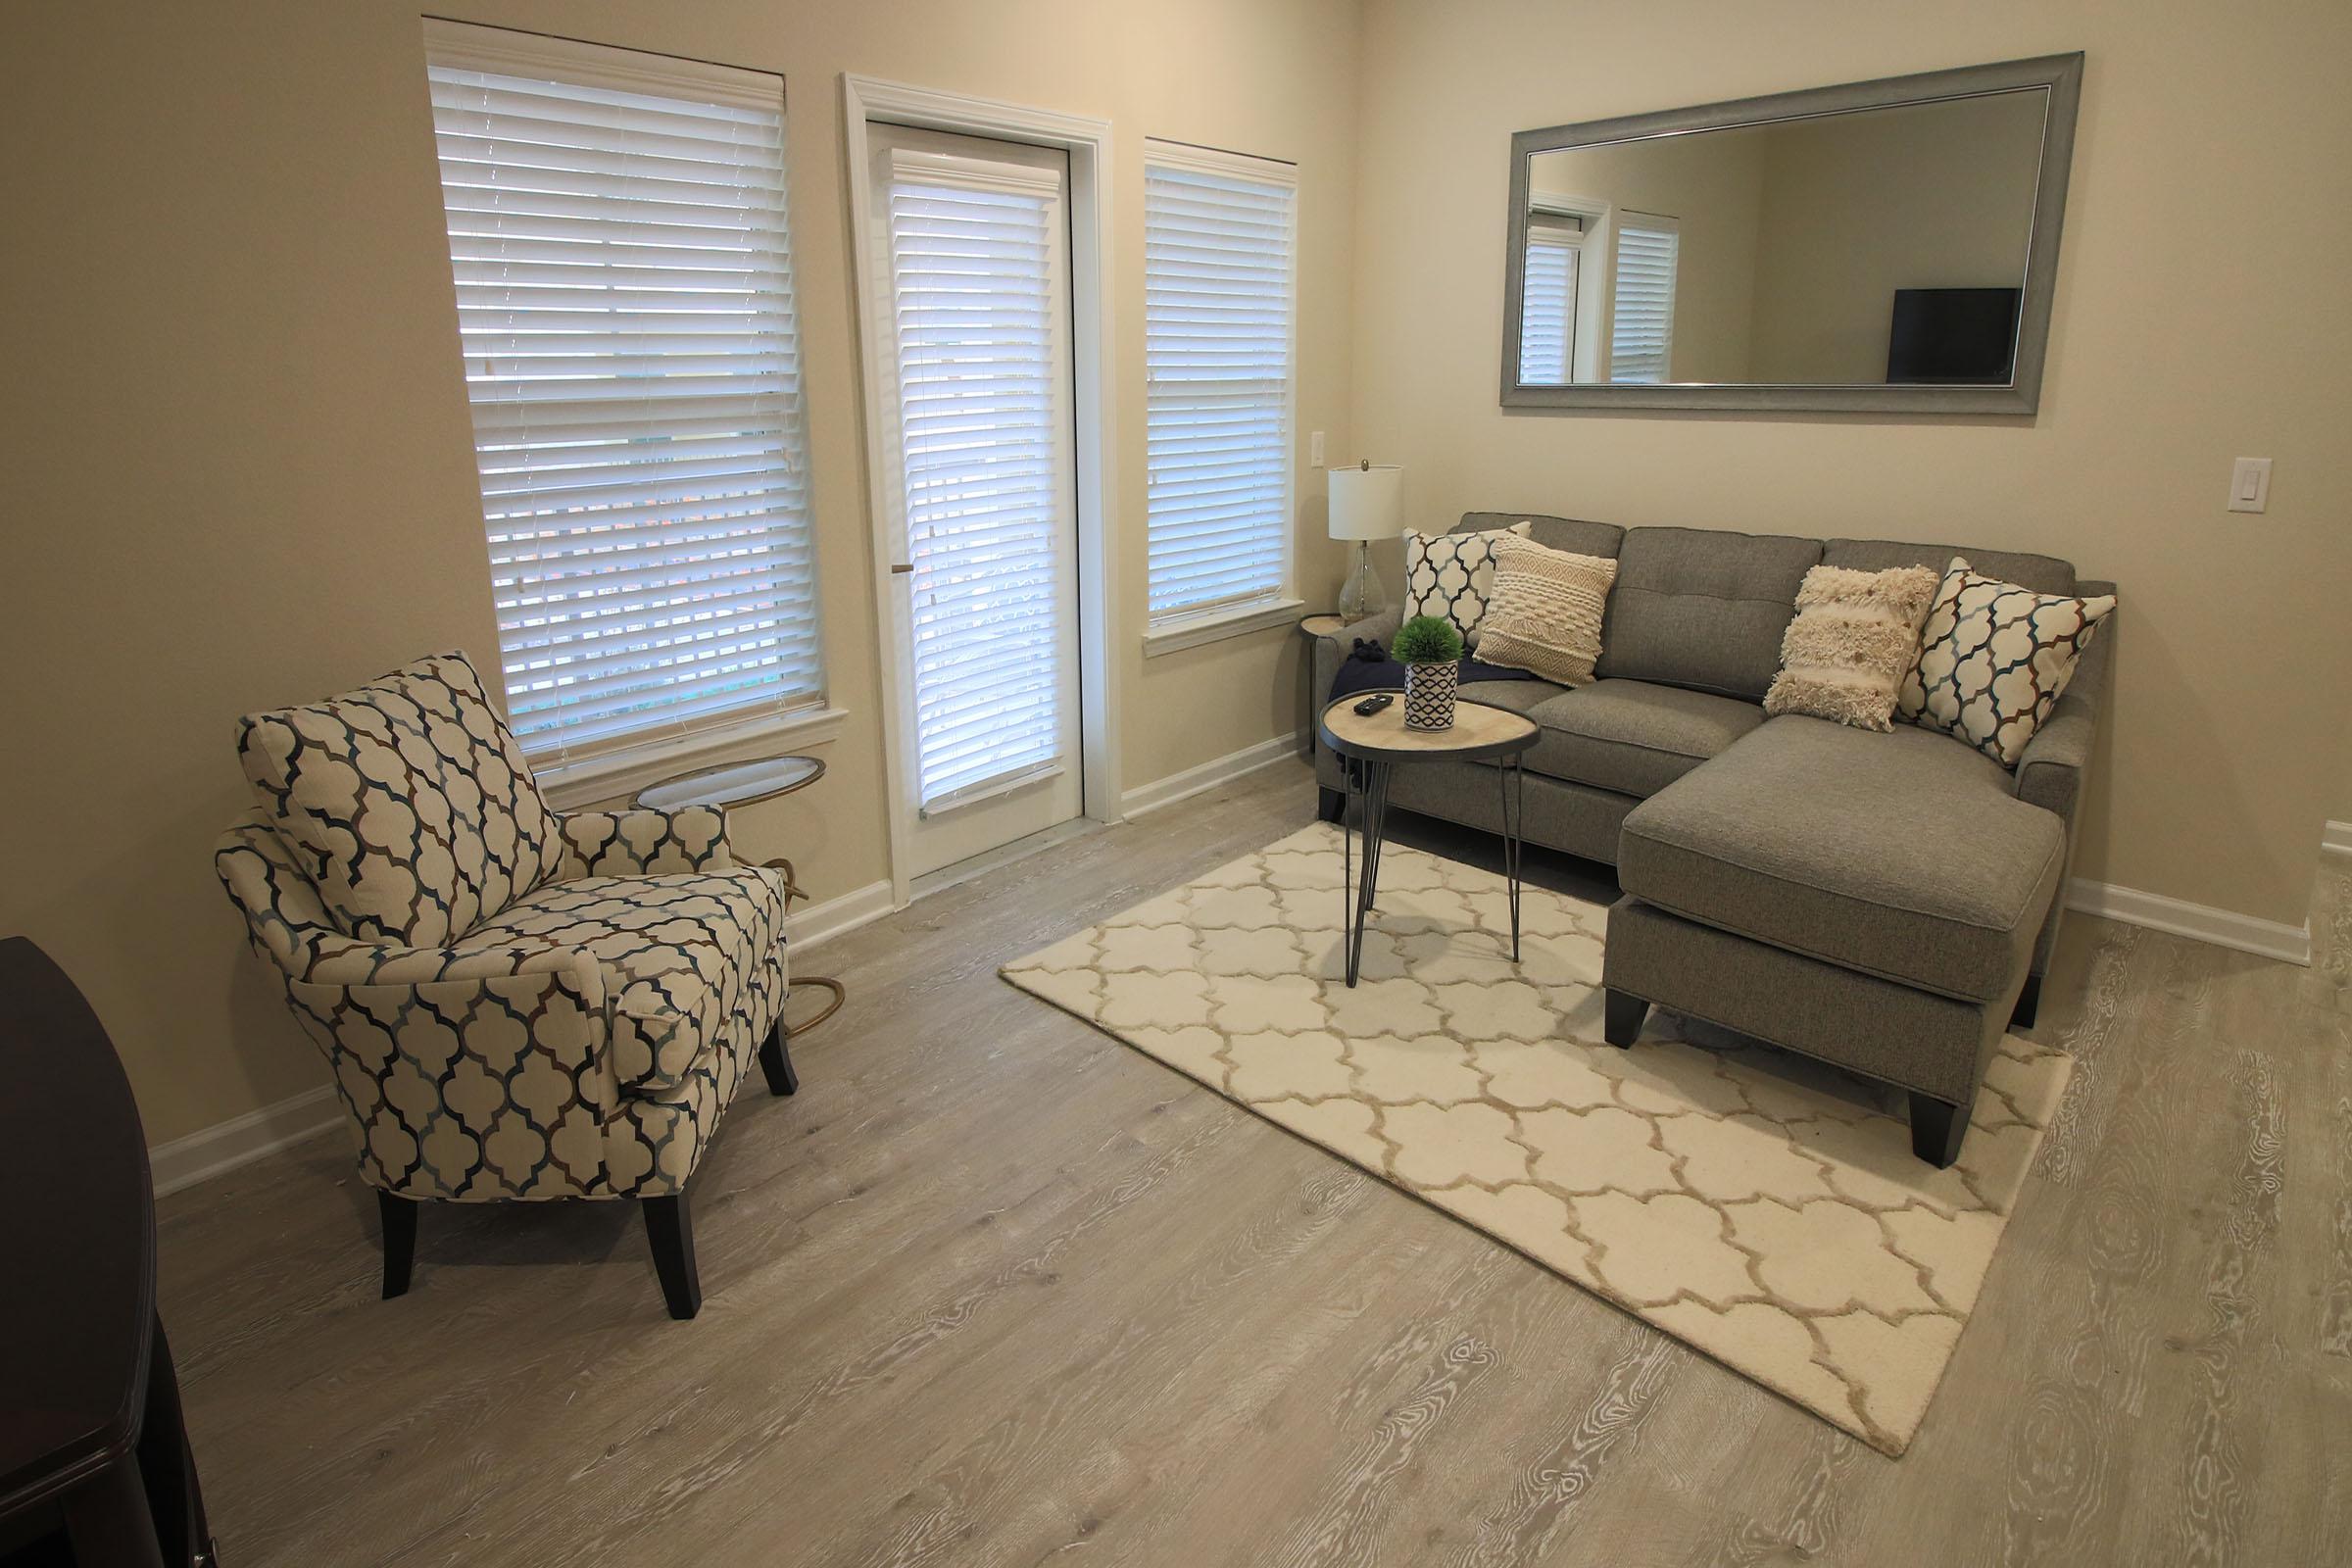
{"x": 1088, "y": 143}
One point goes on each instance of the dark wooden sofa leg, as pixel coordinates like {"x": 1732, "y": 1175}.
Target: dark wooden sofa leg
{"x": 1330, "y": 805}
{"x": 775, "y": 1059}
{"x": 399, "y": 1218}
{"x": 1621, "y": 1024}
{"x": 670, "y": 1226}
{"x": 2028, "y": 1003}
{"x": 1936, "y": 1128}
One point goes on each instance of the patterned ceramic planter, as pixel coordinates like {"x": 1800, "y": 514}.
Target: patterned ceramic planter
{"x": 1429, "y": 695}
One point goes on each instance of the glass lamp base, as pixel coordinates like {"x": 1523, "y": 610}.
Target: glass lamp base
{"x": 1361, "y": 595}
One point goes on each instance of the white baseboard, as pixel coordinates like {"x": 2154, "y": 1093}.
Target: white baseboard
{"x": 2224, "y": 928}
{"x": 242, "y": 1140}
{"x": 831, "y": 917}
{"x": 2336, "y": 838}
{"x": 1208, "y": 775}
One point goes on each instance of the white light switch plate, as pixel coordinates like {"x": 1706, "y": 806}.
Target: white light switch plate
{"x": 1314, "y": 450}
{"x": 2250, "y": 484}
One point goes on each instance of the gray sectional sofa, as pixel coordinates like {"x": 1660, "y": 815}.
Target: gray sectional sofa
{"x": 1888, "y": 902}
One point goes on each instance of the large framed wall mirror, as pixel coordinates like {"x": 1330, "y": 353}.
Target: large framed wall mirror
{"x": 1887, "y": 246}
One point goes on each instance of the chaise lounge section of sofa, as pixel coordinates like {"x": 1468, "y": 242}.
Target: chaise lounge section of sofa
{"x": 1885, "y": 901}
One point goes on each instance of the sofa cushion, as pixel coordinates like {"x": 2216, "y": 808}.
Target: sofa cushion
{"x": 1901, "y": 855}
{"x": 407, "y": 802}
{"x": 676, "y": 952}
{"x": 1633, "y": 736}
{"x": 2044, "y": 575}
{"x": 1573, "y": 534}
{"x": 1703, "y": 608}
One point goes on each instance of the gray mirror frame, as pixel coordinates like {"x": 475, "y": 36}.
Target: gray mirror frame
{"x": 2061, "y": 74}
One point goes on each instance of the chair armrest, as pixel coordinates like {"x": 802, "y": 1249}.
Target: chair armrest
{"x": 643, "y": 841}
{"x": 477, "y": 1088}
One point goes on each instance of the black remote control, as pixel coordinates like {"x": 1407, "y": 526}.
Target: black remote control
{"x": 1375, "y": 702}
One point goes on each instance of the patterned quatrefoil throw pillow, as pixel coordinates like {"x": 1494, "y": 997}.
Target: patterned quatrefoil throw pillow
{"x": 1452, "y": 574}
{"x": 1994, "y": 659}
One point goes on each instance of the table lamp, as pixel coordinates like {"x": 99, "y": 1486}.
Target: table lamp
{"x": 1367, "y": 503}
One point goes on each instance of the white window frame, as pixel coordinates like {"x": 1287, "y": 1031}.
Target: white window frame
{"x": 669, "y": 744}
{"x": 1191, "y": 628}
{"x": 1653, "y": 223}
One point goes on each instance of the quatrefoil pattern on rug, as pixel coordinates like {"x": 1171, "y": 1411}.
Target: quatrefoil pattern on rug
{"x": 1760, "y": 1207}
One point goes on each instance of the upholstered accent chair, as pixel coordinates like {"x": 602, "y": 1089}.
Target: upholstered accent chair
{"x": 515, "y": 1004}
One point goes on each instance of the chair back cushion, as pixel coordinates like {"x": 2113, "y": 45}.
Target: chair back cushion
{"x": 1703, "y": 608}
{"x": 408, "y": 803}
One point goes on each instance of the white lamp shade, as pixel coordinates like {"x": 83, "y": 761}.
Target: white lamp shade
{"x": 1367, "y": 503}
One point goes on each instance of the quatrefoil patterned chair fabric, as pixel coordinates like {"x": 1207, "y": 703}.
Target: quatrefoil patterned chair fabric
{"x": 514, "y": 1004}
{"x": 1994, "y": 659}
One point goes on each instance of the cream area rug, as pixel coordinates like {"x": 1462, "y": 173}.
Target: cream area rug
{"x": 1762, "y": 1208}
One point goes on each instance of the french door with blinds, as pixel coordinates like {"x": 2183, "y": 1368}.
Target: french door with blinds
{"x": 973, "y": 245}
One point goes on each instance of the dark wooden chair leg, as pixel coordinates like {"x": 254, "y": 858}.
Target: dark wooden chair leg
{"x": 398, "y": 1216}
{"x": 1621, "y": 1025}
{"x": 775, "y": 1059}
{"x": 1936, "y": 1128}
{"x": 1330, "y": 805}
{"x": 2028, "y": 1003}
{"x": 670, "y": 1226}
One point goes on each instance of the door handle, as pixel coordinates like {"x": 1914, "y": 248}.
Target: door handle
{"x": 901, "y": 568}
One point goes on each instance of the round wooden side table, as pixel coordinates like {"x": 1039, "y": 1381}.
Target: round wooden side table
{"x": 732, "y": 784}
{"x": 1369, "y": 746}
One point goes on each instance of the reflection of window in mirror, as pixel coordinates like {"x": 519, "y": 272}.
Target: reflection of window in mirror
{"x": 1641, "y": 309}
{"x": 1555, "y": 243}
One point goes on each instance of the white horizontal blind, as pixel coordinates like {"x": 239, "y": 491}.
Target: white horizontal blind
{"x": 1547, "y": 307}
{"x": 1220, "y": 283}
{"x": 616, "y": 231}
{"x": 975, "y": 275}
{"x": 1642, "y": 314}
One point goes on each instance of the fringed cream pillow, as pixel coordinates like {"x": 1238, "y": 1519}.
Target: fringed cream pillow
{"x": 1854, "y": 638}
{"x": 1544, "y": 616}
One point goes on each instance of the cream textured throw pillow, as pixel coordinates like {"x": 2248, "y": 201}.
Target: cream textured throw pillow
{"x": 1545, "y": 614}
{"x": 1855, "y": 636}
{"x": 1449, "y": 574}
{"x": 1994, "y": 659}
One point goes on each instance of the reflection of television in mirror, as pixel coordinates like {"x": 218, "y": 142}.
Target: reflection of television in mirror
{"x": 1953, "y": 336}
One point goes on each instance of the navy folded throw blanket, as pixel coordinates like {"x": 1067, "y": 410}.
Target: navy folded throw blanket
{"x": 1369, "y": 668}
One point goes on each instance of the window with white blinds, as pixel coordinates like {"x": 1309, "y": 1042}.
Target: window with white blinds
{"x": 1548, "y": 302}
{"x": 617, "y": 232}
{"x": 1641, "y": 305}
{"x": 979, "y": 294}
{"x": 1220, "y": 307}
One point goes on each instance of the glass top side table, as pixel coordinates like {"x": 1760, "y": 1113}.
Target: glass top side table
{"x": 732, "y": 784}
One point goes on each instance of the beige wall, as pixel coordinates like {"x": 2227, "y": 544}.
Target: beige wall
{"x": 240, "y": 462}
{"x": 1939, "y": 196}
{"x": 2167, "y": 358}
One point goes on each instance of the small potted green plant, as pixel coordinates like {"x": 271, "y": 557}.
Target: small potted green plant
{"x": 1430, "y": 650}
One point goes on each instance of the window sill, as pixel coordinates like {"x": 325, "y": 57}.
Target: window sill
{"x": 1216, "y": 626}
{"x": 619, "y": 776}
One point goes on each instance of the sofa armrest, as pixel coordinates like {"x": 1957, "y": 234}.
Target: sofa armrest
{"x": 643, "y": 841}
{"x": 1333, "y": 647}
{"x": 2050, "y": 773}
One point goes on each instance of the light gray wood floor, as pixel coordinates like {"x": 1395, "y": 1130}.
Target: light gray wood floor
{"x": 996, "y": 1290}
